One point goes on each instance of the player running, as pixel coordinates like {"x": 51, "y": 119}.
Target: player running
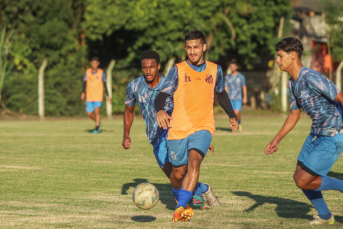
{"x": 234, "y": 86}
{"x": 192, "y": 84}
{"x": 94, "y": 82}
{"x": 144, "y": 90}
{"x": 322, "y": 101}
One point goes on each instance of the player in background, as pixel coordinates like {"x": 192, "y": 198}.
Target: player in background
{"x": 322, "y": 101}
{"x": 144, "y": 90}
{"x": 192, "y": 84}
{"x": 94, "y": 82}
{"x": 234, "y": 86}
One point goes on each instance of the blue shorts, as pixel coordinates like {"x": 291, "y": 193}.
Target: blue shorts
{"x": 161, "y": 149}
{"x": 90, "y": 106}
{"x": 319, "y": 152}
{"x": 237, "y": 104}
{"x": 179, "y": 149}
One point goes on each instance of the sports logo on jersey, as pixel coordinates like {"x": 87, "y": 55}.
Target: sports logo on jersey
{"x": 209, "y": 79}
{"x": 187, "y": 78}
{"x": 173, "y": 155}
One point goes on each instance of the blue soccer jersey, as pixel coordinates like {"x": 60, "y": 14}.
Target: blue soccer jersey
{"x": 235, "y": 84}
{"x": 315, "y": 94}
{"x": 138, "y": 90}
{"x": 171, "y": 81}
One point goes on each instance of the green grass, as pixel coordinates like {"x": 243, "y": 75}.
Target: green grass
{"x": 55, "y": 174}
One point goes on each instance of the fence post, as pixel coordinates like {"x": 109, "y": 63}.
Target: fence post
{"x": 41, "y": 106}
{"x": 339, "y": 76}
{"x": 109, "y": 87}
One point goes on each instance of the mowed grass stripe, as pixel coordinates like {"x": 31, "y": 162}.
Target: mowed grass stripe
{"x": 55, "y": 174}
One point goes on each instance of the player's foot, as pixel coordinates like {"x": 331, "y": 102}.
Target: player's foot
{"x": 200, "y": 202}
{"x": 187, "y": 207}
{"x": 95, "y": 131}
{"x": 182, "y": 214}
{"x": 240, "y": 128}
{"x": 318, "y": 221}
{"x": 210, "y": 197}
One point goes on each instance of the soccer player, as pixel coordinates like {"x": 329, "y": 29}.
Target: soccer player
{"x": 192, "y": 84}
{"x": 94, "y": 82}
{"x": 322, "y": 101}
{"x": 234, "y": 85}
{"x": 144, "y": 90}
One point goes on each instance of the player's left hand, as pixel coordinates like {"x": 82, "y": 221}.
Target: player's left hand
{"x": 234, "y": 124}
{"x": 245, "y": 100}
{"x": 109, "y": 99}
{"x": 272, "y": 147}
{"x": 212, "y": 149}
{"x": 126, "y": 143}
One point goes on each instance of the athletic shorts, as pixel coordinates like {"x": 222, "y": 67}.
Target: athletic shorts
{"x": 179, "y": 149}
{"x": 90, "y": 106}
{"x": 237, "y": 104}
{"x": 319, "y": 153}
{"x": 161, "y": 149}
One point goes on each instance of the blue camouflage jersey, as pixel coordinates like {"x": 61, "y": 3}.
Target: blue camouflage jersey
{"x": 235, "y": 84}
{"x": 171, "y": 81}
{"x": 315, "y": 94}
{"x": 138, "y": 90}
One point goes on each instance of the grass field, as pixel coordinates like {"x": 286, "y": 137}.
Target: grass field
{"x": 55, "y": 174}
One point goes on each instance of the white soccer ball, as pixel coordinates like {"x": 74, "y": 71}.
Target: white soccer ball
{"x": 145, "y": 196}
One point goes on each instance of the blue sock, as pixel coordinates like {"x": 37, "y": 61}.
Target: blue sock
{"x": 176, "y": 192}
{"x": 184, "y": 198}
{"x": 317, "y": 200}
{"x": 203, "y": 187}
{"x": 197, "y": 190}
{"x": 329, "y": 183}
{"x": 239, "y": 122}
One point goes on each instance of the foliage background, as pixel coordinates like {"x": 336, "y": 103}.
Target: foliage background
{"x": 69, "y": 32}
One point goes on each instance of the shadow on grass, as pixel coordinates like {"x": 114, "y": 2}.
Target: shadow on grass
{"x": 224, "y": 129}
{"x": 167, "y": 200}
{"x": 336, "y": 175}
{"x": 285, "y": 208}
{"x": 143, "y": 218}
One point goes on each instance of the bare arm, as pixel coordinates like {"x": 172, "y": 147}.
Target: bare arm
{"x": 339, "y": 98}
{"x": 290, "y": 122}
{"x": 245, "y": 94}
{"x": 227, "y": 89}
{"x": 128, "y": 120}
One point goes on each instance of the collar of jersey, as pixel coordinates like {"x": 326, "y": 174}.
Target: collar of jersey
{"x": 197, "y": 69}
{"x": 302, "y": 69}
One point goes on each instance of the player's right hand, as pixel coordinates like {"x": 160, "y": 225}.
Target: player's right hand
{"x": 272, "y": 147}
{"x": 234, "y": 124}
{"x": 126, "y": 143}
{"x": 83, "y": 96}
{"x": 163, "y": 119}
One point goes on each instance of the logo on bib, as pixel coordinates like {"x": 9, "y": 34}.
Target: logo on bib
{"x": 209, "y": 79}
{"x": 187, "y": 78}
{"x": 173, "y": 155}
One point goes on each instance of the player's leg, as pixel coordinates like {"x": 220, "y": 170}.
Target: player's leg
{"x": 237, "y": 107}
{"x": 97, "y": 106}
{"x": 90, "y": 110}
{"x": 314, "y": 162}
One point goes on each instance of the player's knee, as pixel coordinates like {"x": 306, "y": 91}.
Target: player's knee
{"x": 179, "y": 174}
{"x": 90, "y": 114}
{"x": 194, "y": 164}
{"x": 300, "y": 183}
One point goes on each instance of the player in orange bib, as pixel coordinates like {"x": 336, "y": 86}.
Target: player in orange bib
{"x": 94, "y": 82}
{"x": 192, "y": 84}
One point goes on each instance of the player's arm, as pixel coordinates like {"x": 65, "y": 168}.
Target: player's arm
{"x": 83, "y": 94}
{"x": 224, "y": 100}
{"x": 105, "y": 87}
{"x": 339, "y": 98}
{"x": 168, "y": 88}
{"x": 290, "y": 122}
{"x": 245, "y": 94}
{"x": 128, "y": 120}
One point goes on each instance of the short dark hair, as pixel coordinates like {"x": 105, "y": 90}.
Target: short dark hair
{"x": 150, "y": 54}
{"x": 290, "y": 44}
{"x": 194, "y": 35}
{"x": 95, "y": 58}
{"x": 233, "y": 61}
